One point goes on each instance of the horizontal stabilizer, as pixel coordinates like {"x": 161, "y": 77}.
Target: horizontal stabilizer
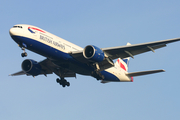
{"x": 133, "y": 74}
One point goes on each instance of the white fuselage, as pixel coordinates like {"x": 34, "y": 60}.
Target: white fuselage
{"x": 58, "y": 49}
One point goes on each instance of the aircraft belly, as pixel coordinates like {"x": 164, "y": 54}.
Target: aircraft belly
{"x": 74, "y": 66}
{"x": 80, "y": 69}
{"x": 111, "y": 75}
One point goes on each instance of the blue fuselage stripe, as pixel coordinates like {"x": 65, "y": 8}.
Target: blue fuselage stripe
{"x": 109, "y": 77}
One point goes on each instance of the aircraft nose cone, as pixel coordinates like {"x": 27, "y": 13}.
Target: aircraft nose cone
{"x": 12, "y": 31}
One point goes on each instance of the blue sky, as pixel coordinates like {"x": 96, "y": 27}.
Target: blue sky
{"x": 105, "y": 24}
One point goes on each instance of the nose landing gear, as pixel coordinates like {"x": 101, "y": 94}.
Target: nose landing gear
{"x": 24, "y": 54}
{"x": 63, "y": 82}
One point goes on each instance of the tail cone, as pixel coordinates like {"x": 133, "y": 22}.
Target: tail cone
{"x": 132, "y": 79}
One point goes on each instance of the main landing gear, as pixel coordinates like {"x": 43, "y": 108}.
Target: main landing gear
{"x": 24, "y": 54}
{"x": 63, "y": 82}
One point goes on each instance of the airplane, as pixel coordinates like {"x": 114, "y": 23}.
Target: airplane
{"x": 66, "y": 59}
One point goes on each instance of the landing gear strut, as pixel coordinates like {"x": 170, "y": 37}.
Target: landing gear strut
{"x": 24, "y": 54}
{"x": 63, "y": 82}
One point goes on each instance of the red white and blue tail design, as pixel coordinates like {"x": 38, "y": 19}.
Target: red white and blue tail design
{"x": 122, "y": 63}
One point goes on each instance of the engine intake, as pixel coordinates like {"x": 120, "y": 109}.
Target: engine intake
{"x": 93, "y": 53}
{"x": 31, "y": 67}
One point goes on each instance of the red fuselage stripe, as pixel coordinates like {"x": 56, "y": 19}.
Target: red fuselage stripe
{"x": 36, "y": 29}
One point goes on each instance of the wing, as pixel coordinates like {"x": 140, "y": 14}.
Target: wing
{"x": 131, "y": 50}
{"x": 48, "y": 67}
{"x": 45, "y": 65}
{"x": 18, "y": 73}
{"x": 128, "y": 50}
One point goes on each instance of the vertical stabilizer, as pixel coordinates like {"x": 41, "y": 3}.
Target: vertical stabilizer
{"x": 123, "y": 63}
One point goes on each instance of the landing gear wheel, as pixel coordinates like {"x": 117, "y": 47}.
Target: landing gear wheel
{"x": 64, "y": 85}
{"x": 68, "y": 84}
{"x": 24, "y": 54}
{"x": 63, "y": 82}
{"x": 58, "y": 80}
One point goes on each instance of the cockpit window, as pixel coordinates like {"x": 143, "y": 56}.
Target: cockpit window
{"x": 17, "y": 26}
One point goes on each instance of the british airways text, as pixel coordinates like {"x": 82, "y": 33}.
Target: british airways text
{"x": 49, "y": 40}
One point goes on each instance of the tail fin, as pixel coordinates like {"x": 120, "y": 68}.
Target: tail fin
{"x": 123, "y": 63}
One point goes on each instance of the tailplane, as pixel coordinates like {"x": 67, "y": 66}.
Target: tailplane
{"x": 133, "y": 74}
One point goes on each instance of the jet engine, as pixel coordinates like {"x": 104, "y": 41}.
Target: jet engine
{"x": 93, "y": 53}
{"x": 31, "y": 67}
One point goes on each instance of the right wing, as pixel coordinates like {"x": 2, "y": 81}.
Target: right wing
{"x": 126, "y": 51}
{"x": 131, "y": 50}
{"x": 123, "y": 52}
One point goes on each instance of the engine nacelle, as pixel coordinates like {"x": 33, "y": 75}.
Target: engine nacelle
{"x": 31, "y": 67}
{"x": 93, "y": 53}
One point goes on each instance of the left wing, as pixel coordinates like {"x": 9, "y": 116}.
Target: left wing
{"x": 131, "y": 50}
{"x": 45, "y": 65}
{"x": 18, "y": 73}
{"x": 48, "y": 67}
